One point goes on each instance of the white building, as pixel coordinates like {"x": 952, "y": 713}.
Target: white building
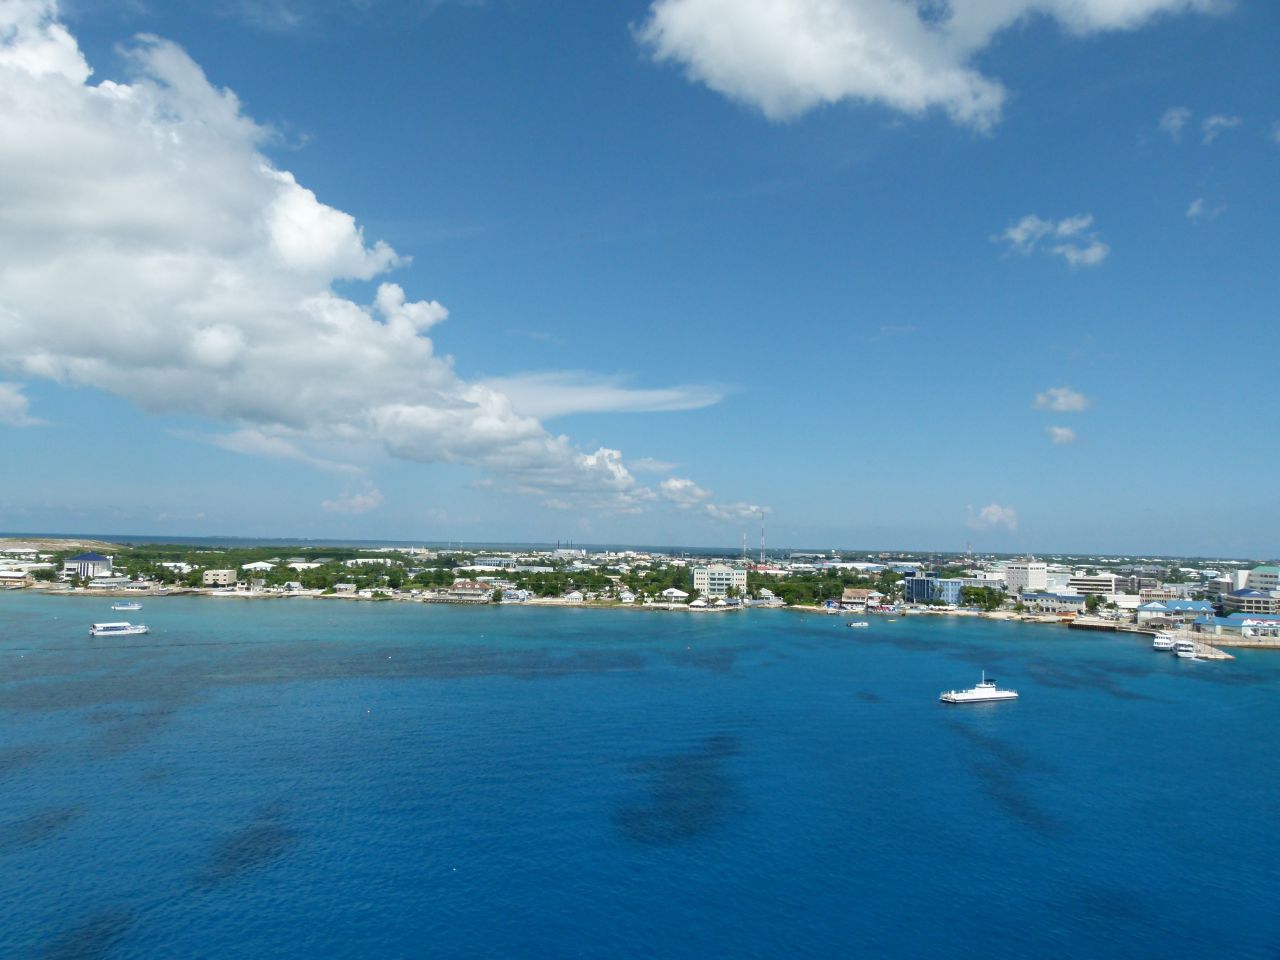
{"x": 716, "y": 579}
{"x": 1265, "y": 579}
{"x": 1026, "y": 576}
{"x": 258, "y": 566}
{"x": 1102, "y": 584}
{"x": 219, "y": 578}
{"x": 88, "y": 565}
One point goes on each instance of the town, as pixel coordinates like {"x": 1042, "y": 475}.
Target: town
{"x": 1223, "y": 602}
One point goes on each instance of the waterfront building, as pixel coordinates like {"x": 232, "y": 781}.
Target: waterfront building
{"x": 1026, "y": 576}
{"x": 1251, "y": 601}
{"x": 88, "y": 565}
{"x": 716, "y": 579}
{"x": 859, "y": 598}
{"x": 1054, "y": 603}
{"x": 1174, "y": 611}
{"x": 258, "y": 566}
{"x": 928, "y": 588}
{"x": 469, "y": 590}
{"x": 674, "y": 595}
{"x": 218, "y": 578}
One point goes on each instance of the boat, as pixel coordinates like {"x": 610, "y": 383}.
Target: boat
{"x": 1162, "y": 641}
{"x": 126, "y": 605}
{"x": 1186, "y": 649}
{"x": 117, "y": 629}
{"x": 984, "y": 692}
{"x": 858, "y": 623}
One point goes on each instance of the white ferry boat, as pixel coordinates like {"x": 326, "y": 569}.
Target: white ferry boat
{"x": 126, "y": 605}
{"x": 858, "y": 623}
{"x": 985, "y": 691}
{"x": 1162, "y": 641}
{"x": 1186, "y": 649}
{"x": 117, "y": 629}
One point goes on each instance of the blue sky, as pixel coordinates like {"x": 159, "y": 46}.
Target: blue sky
{"x": 881, "y": 274}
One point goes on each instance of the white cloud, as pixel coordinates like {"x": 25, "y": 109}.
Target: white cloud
{"x": 785, "y": 58}
{"x": 1077, "y": 243}
{"x": 14, "y": 407}
{"x": 1173, "y": 120}
{"x": 149, "y": 249}
{"x": 735, "y": 512}
{"x": 550, "y": 395}
{"x": 1211, "y": 127}
{"x": 1062, "y": 400}
{"x": 1060, "y": 435}
{"x": 682, "y": 492}
{"x": 650, "y": 465}
{"x": 370, "y": 498}
{"x": 1199, "y": 210}
{"x": 993, "y": 515}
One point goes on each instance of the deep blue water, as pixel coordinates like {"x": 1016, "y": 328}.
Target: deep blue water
{"x": 302, "y": 778}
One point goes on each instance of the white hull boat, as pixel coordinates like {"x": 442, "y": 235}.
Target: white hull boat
{"x": 986, "y": 691}
{"x": 1162, "y": 641}
{"x": 118, "y": 629}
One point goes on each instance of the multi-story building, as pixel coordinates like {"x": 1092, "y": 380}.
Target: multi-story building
{"x": 1102, "y": 584}
{"x": 928, "y": 588}
{"x": 716, "y": 579}
{"x": 1026, "y": 576}
{"x": 1265, "y": 579}
{"x": 219, "y": 578}
{"x": 88, "y": 565}
{"x": 1251, "y": 601}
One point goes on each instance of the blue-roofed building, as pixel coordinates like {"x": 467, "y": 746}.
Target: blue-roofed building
{"x": 1249, "y": 600}
{"x": 1175, "y": 610}
{"x": 88, "y": 565}
{"x": 1257, "y": 626}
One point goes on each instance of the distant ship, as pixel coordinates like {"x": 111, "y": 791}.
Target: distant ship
{"x": 126, "y": 605}
{"x": 117, "y": 629}
{"x": 858, "y": 623}
{"x": 985, "y": 691}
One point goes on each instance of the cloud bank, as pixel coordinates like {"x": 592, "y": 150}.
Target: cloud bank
{"x": 785, "y": 57}
{"x": 149, "y": 249}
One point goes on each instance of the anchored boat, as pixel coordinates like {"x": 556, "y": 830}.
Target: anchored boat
{"x": 984, "y": 692}
{"x": 117, "y": 629}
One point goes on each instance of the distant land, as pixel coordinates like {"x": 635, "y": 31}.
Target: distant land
{"x": 472, "y": 546}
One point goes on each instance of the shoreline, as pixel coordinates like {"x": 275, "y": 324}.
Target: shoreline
{"x": 1209, "y": 651}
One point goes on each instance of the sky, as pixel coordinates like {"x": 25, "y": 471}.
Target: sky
{"x": 868, "y": 273}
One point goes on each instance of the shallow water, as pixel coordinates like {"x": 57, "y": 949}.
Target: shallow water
{"x": 302, "y": 778}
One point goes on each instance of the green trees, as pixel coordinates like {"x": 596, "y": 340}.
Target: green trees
{"x": 1092, "y": 602}
{"x": 984, "y": 598}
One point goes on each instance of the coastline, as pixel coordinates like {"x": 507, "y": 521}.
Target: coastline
{"x": 1206, "y": 650}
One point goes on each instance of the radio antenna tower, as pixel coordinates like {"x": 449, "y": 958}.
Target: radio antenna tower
{"x": 762, "y": 540}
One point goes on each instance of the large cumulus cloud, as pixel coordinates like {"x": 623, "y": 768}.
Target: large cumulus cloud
{"x": 148, "y": 248}
{"x": 785, "y": 57}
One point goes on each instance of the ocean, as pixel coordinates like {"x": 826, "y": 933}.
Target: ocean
{"x": 308, "y": 778}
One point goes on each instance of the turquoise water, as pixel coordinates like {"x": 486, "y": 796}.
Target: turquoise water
{"x": 318, "y": 778}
